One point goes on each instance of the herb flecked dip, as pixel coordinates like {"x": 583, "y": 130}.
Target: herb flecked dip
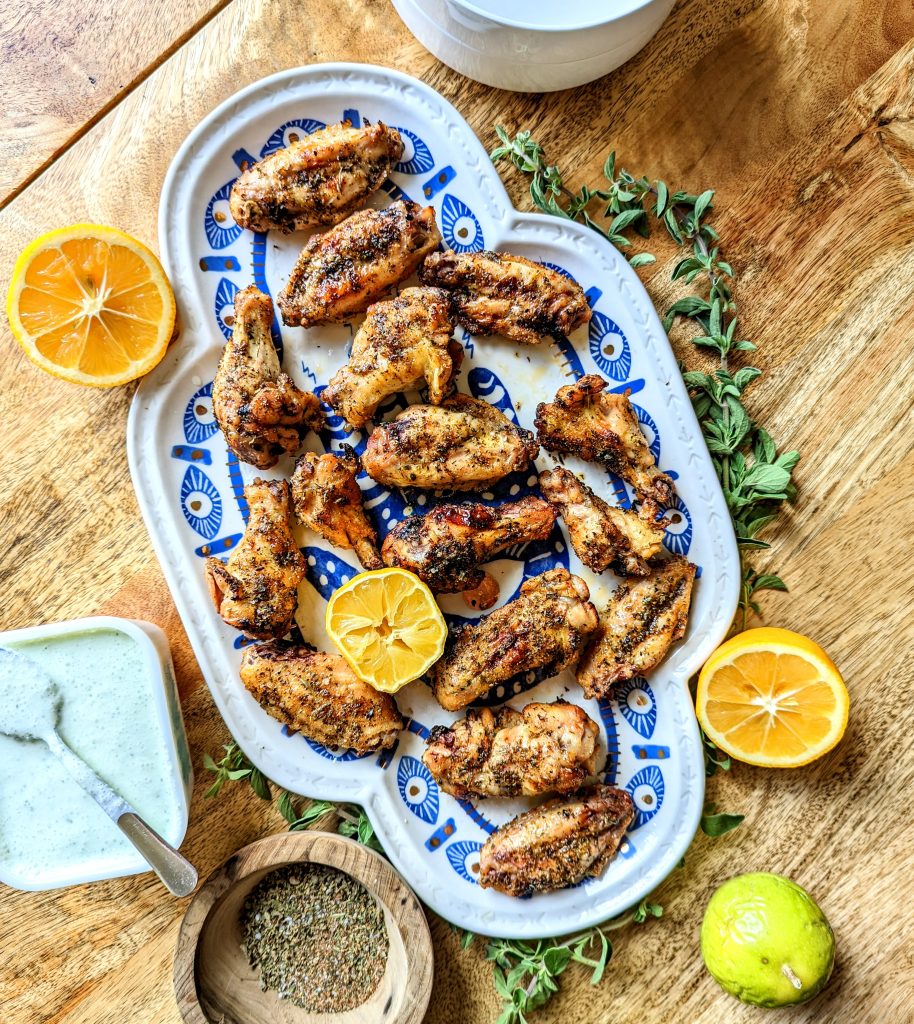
{"x": 317, "y": 936}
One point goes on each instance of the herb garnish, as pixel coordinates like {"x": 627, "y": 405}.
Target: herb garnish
{"x": 755, "y": 479}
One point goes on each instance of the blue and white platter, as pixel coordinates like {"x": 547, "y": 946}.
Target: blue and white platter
{"x": 190, "y": 489}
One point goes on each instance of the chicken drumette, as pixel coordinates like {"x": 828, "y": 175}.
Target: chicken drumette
{"x": 343, "y": 271}
{"x": 496, "y": 293}
{"x": 404, "y": 341}
{"x": 464, "y": 444}
{"x": 317, "y": 180}
{"x": 320, "y": 696}
{"x": 446, "y": 546}
{"x": 605, "y": 536}
{"x": 543, "y": 629}
{"x": 601, "y": 426}
{"x": 643, "y": 619}
{"x": 257, "y": 590}
{"x": 328, "y": 500}
{"x": 546, "y": 748}
{"x": 558, "y": 843}
{"x": 259, "y": 409}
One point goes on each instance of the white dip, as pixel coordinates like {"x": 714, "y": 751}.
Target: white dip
{"x": 50, "y": 830}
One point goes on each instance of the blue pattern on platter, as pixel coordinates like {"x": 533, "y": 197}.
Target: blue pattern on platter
{"x": 220, "y": 229}
{"x": 418, "y": 790}
{"x": 459, "y": 226}
{"x": 493, "y": 370}
{"x": 201, "y": 503}
{"x": 609, "y": 348}
{"x": 637, "y": 705}
{"x": 649, "y": 429}
{"x": 331, "y": 755}
{"x": 464, "y": 859}
{"x": 646, "y": 789}
{"x": 677, "y": 537}
{"x": 417, "y": 157}
{"x": 199, "y": 422}
{"x": 224, "y": 305}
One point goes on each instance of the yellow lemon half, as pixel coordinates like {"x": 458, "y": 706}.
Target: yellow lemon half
{"x": 388, "y": 626}
{"x": 772, "y": 697}
{"x": 91, "y": 305}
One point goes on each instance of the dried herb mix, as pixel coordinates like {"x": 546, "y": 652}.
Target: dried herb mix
{"x": 317, "y": 936}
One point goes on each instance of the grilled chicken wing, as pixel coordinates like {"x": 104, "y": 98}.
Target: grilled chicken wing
{"x": 601, "y": 426}
{"x": 343, "y": 271}
{"x": 464, "y": 444}
{"x": 257, "y": 590}
{"x": 546, "y": 748}
{"x": 642, "y": 620}
{"x": 558, "y": 843}
{"x": 604, "y": 536}
{"x": 328, "y": 500}
{"x": 320, "y": 696}
{"x": 445, "y": 546}
{"x": 496, "y": 293}
{"x": 317, "y": 180}
{"x": 404, "y": 341}
{"x": 544, "y": 628}
{"x": 258, "y": 408}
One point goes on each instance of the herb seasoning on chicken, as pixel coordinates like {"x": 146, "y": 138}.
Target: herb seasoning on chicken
{"x": 261, "y": 413}
{"x": 497, "y": 293}
{"x": 344, "y": 270}
{"x": 597, "y": 425}
{"x": 558, "y": 843}
{"x": 543, "y": 629}
{"x": 317, "y": 180}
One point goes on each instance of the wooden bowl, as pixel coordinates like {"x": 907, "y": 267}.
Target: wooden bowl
{"x": 215, "y": 984}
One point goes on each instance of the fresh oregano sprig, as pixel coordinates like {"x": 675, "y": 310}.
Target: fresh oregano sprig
{"x": 755, "y": 478}
{"x": 526, "y": 973}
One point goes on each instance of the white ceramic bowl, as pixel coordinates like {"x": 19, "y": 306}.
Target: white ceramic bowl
{"x": 529, "y": 45}
{"x": 170, "y": 746}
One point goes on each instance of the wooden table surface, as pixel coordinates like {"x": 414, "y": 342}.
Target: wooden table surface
{"x": 799, "y": 112}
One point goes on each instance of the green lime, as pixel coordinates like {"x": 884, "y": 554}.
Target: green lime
{"x": 765, "y": 940}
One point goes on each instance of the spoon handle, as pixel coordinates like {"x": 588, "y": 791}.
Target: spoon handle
{"x": 178, "y": 874}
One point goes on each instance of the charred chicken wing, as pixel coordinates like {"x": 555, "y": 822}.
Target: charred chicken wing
{"x": 446, "y": 546}
{"x": 343, "y": 271}
{"x": 496, "y": 293}
{"x": 317, "y": 180}
{"x": 464, "y": 444}
{"x": 544, "y": 628}
{"x": 601, "y": 426}
{"x": 643, "y": 619}
{"x": 260, "y": 411}
{"x": 320, "y": 696}
{"x": 328, "y": 500}
{"x": 546, "y": 748}
{"x": 403, "y": 342}
{"x": 605, "y": 536}
{"x": 257, "y": 590}
{"x": 558, "y": 843}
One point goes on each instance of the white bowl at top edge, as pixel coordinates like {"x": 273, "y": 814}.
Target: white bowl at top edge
{"x": 508, "y": 53}
{"x": 157, "y": 655}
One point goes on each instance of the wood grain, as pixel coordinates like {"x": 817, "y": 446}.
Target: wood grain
{"x": 799, "y": 113}
{"x": 64, "y": 64}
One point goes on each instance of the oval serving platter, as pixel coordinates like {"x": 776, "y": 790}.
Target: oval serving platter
{"x": 190, "y": 489}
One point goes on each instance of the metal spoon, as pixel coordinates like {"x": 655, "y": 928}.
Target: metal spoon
{"x": 32, "y": 712}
